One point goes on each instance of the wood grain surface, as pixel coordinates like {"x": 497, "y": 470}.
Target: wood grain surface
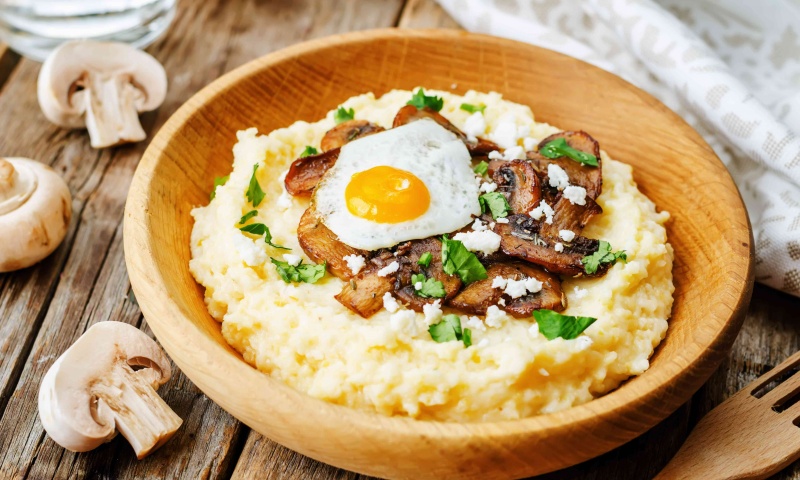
{"x": 44, "y": 308}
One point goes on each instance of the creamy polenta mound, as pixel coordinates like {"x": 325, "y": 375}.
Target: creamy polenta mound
{"x": 299, "y": 334}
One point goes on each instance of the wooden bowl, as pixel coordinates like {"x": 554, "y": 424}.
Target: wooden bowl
{"x": 673, "y": 166}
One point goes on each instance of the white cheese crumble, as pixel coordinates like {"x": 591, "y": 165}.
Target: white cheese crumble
{"x": 543, "y": 210}
{"x": 390, "y": 303}
{"x": 499, "y": 282}
{"x": 583, "y": 342}
{"x": 355, "y": 263}
{"x": 514, "y": 153}
{"x": 474, "y": 323}
{"x": 250, "y": 253}
{"x": 558, "y": 178}
{"x": 488, "y": 187}
{"x": 501, "y": 220}
{"x": 566, "y": 235}
{"x": 529, "y": 143}
{"x": 517, "y": 288}
{"x": 502, "y": 302}
{"x": 389, "y": 269}
{"x": 292, "y": 259}
{"x": 495, "y": 155}
{"x": 418, "y": 286}
{"x": 559, "y": 247}
{"x": 478, "y": 225}
{"x": 505, "y": 134}
{"x": 404, "y": 321}
{"x": 475, "y": 126}
{"x": 576, "y": 195}
{"x": 532, "y": 285}
{"x": 580, "y": 292}
{"x": 495, "y": 317}
{"x": 485, "y": 241}
{"x": 432, "y": 311}
{"x": 534, "y": 330}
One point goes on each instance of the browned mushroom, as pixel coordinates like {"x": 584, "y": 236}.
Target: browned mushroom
{"x": 347, "y": 132}
{"x": 550, "y": 297}
{"x": 363, "y": 294}
{"x": 517, "y": 179}
{"x": 306, "y": 172}
{"x": 322, "y": 245}
{"x": 588, "y": 177}
{"x": 410, "y": 113}
{"x": 569, "y": 216}
{"x": 408, "y": 254}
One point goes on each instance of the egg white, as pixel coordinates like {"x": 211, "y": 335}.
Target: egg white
{"x": 426, "y": 149}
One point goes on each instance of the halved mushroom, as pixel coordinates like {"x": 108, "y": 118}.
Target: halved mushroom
{"x": 35, "y": 210}
{"x": 408, "y": 255}
{"x": 588, "y": 177}
{"x": 517, "y": 179}
{"x": 104, "y": 383}
{"x": 322, "y": 245}
{"x": 550, "y": 297}
{"x": 410, "y": 113}
{"x": 569, "y": 216}
{"x": 346, "y": 132}
{"x": 103, "y": 87}
{"x": 306, "y": 172}
{"x": 363, "y": 294}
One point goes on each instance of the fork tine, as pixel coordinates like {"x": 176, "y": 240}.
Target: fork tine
{"x": 784, "y": 390}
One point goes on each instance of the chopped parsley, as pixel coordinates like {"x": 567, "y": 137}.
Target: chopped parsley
{"x": 481, "y": 168}
{"x": 247, "y": 216}
{"x": 301, "y": 273}
{"x": 449, "y": 329}
{"x": 309, "y": 151}
{"x": 559, "y": 148}
{"x": 553, "y": 325}
{"x": 603, "y": 255}
{"x": 430, "y": 288}
{"x": 261, "y": 229}
{"x": 420, "y": 100}
{"x": 217, "y": 182}
{"x": 456, "y": 259}
{"x": 496, "y": 203}
{"x": 254, "y": 193}
{"x": 468, "y": 107}
{"x": 342, "y": 115}
{"x": 425, "y": 259}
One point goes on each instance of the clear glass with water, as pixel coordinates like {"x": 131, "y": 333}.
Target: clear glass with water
{"x": 35, "y": 27}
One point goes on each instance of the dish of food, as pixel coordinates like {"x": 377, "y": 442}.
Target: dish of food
{"x": 437, "y": 256}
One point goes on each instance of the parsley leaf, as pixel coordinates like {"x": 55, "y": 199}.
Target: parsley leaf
{"x": 449, "y": 329}
{"x": 261, "y": 229}
{"x": 420, "y": 100}
{"x": 481, "y": 168}
{"x": 425, "y": 259}
{"x": 343, "y": 115}
{"x": 430, "y": 288}
{"x": 559, "y": 148}
{"x": 247, "y": 216}
{"x": 456, "y": 259}
{"x": 217, "y": 182}
{"x": 302, "y": 273}
{"x": 254, "y": 193}
{"x": 468, "y": 107}
{"x": 496, "y": 203}
{"x": 553, "y": 324}
{"x": 603, "y": 255}
{"x": 309, "y": 151}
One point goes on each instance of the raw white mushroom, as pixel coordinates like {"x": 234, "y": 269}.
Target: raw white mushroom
{"x": 104, "y": 383}
{"x": 102, "y": 86}
{"x": 35, "y": 209}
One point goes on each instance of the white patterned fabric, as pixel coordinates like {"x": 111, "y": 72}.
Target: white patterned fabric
{"x": 731, "y": 68}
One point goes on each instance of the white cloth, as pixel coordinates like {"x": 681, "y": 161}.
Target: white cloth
{"x": 731, "y": 68}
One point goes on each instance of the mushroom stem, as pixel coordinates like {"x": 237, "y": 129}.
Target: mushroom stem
{"x": 140, "y": 415}
{"x": 112, "y": 115}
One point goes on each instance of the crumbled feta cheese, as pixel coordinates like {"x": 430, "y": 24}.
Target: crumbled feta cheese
{"x": 292, "y": 259}
{"x": 250, "y": 252}
{"x": 491, "y": 225}
{"x": 483, "y": 343}
{"x": 505, "y": 134}
{"x": 418, "y": 286}
{"x": 559, "y": 247}
{"x": 432, "y": 311}
{"x": 530, "y": 143}
{"x": 515, "y": 288}
{"x": 495, "y": 155}
{"x": 544, "y": 372}
{"x": 583, "y": 342}
{"x": 355, "y": 263}
{"x": 495, "y": 317}
{"x": 390, "y": 303}
{"x": 534, "y": 330}
{"x": 557, "y": 176}
{"x": 580, "y": 292}
{"x": 499, "y": 282}
{"x": 501, "y": 220}
{"x": 576, "y": 195}
{"x": 485, "y": 241}
{"x": 475, "y": 126}
{"x": 488, "y": 187}
{"x": 543, "y": 210}
{"x": 502, "y": 302}
{"x": 474, "y": 323}
{"x": 566, "y": 235}
{"x": 514, "y": 153}
{"x": 404, "y": 321}
{"x": 532, "y": 285}
{"x": 478, "y": 225}
{"x": 389, "y": 269}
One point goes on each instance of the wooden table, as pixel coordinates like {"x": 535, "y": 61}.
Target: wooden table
{"x": 45, "y": 308}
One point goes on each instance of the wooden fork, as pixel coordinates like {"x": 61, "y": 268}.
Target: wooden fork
{"x": 751, "y": 435}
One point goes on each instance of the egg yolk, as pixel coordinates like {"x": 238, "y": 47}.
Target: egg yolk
{"x": 386, "y": 195}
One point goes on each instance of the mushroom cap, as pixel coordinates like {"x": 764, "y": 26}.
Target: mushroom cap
{"x": 72, "y": 416}
{"x": 64, "y": 70}
{"x": 35, "y": 210}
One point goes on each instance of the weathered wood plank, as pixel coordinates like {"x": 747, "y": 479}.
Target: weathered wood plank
{"x": 8, "y": 60}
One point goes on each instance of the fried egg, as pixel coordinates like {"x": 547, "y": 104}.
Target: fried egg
{"x": 406, "y": 183}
